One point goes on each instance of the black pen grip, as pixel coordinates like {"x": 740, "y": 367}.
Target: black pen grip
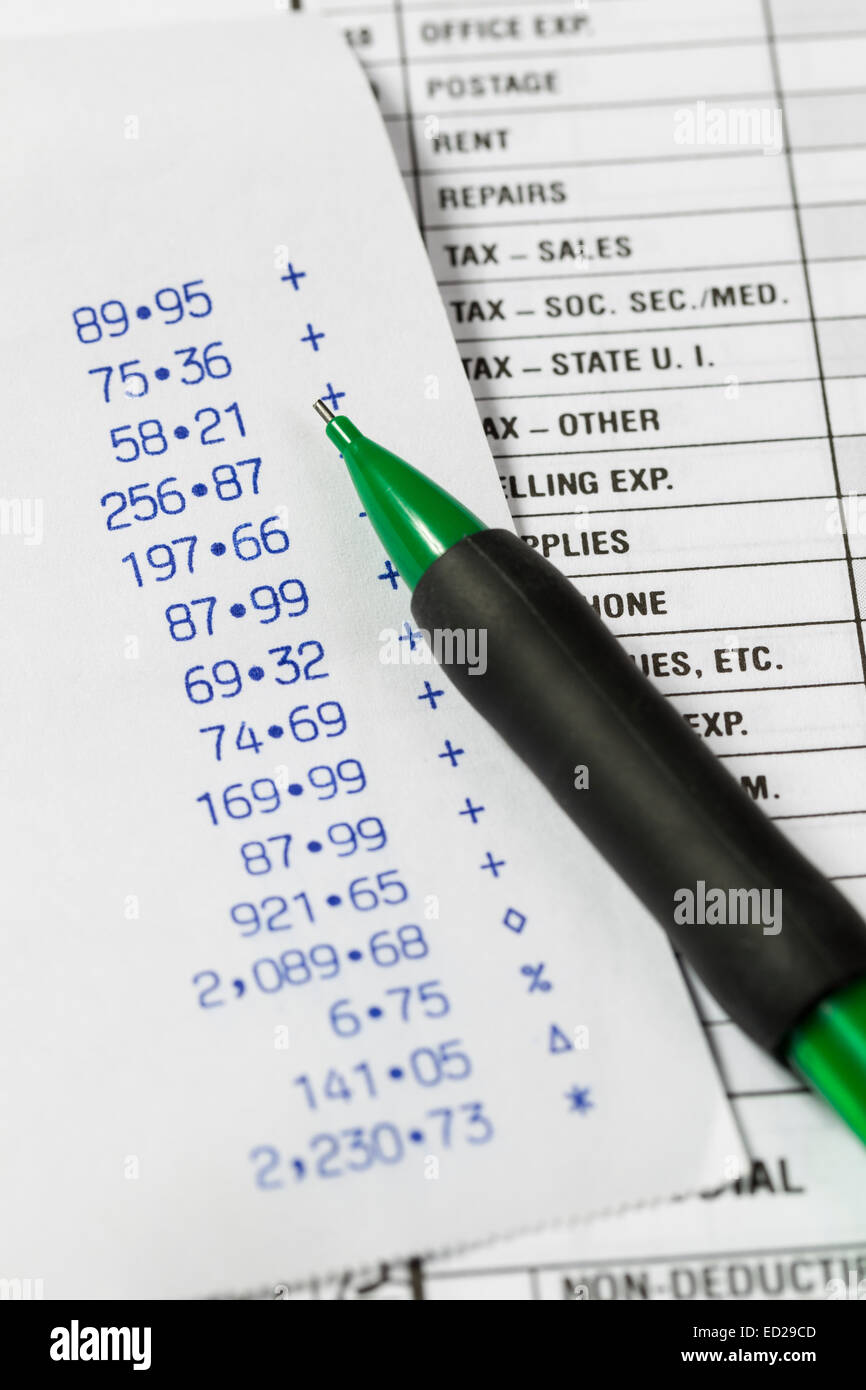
{"x": 659, "y": 806}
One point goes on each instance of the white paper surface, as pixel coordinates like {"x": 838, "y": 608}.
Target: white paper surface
{"x": 188, "y": 1105}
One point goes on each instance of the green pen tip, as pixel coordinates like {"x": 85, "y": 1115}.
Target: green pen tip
{"x": 415, "y": 519}
{"x": 829, "y": 1050}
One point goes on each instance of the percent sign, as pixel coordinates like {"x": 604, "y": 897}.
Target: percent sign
{"x": 536, "y": 977}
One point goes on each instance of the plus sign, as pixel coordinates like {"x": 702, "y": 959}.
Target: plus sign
{"x": 473, "y": 811}
{"x": 331, "y": 396}
{"x": 451, "y": 752}
{"x": 312, "y": 337}
{"x": 390, "y": 573}
{"x": 494, "y": 865}
{"x": 293, "y": 275}
{"x": 430, "y": 694}
{"x": 409, "y": 636}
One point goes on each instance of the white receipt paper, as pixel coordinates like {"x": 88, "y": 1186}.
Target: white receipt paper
{"x": 301, "y": 969}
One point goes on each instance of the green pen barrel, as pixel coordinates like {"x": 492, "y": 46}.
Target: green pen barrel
{"x": 829, "y": 1051}
{"x": 655, "y": 802}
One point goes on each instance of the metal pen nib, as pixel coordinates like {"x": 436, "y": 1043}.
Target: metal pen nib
{"x": 414, "y": 518}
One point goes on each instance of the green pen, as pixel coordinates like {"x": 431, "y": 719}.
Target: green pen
{"x": 659, "y": 806}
